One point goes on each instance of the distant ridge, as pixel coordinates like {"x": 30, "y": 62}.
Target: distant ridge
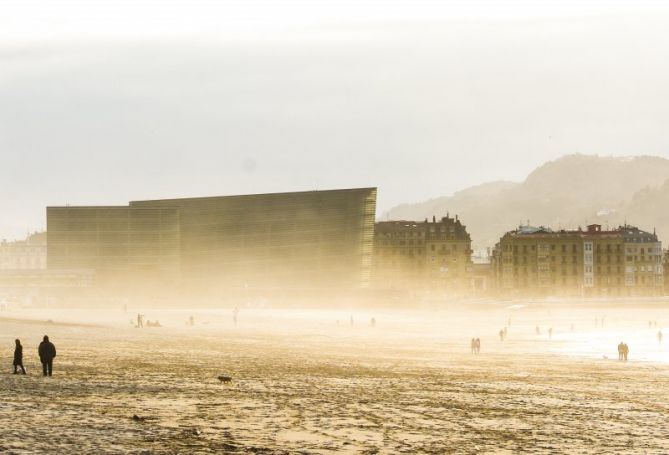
{"x": 569, "y": 192}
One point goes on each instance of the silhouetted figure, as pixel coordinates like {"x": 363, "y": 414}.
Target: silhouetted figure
{"x": 659, "y": 337}
{"x": 550, "y": 333}
{"x": 478, "y": 345}
{"x": 473, "y": 345}
{"x": 537, "y": 330}
{"x": 18, "y": 357}
{"x": 626, "y": 351}
{"x": 620, "y": 350}
{"x": 501, "y": 335}
{"x": 47, "y": 352}
{"x": 650, "y": 324}
{"x": 191, "y": 321}
{"x": 140, "y": 320}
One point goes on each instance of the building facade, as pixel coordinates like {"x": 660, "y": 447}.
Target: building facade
{"x": 28, "y": 254}
{"x": 426, "y": 256}
{"x": 135, "y": 247}
{"x": 540, "y": 262}
{"x": 313, "y": 239}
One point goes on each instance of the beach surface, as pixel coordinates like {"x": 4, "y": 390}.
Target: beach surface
{"x": 312, "y": 382}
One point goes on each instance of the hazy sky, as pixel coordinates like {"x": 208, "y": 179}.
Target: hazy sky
{"x": 102, "y": 101}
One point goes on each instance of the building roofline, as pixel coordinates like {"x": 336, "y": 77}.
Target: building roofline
{"x": 204, "y": 198}
{"x": 96, "y": 207}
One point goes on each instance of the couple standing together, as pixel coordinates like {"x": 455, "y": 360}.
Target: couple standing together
{"x": 46, "y": 351}
{"x": 623, "y": 350}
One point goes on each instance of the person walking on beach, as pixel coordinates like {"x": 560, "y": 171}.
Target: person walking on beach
{"x": 620, "y": 350}
{"x": 478, "y": 345}
{"x": 18, "y": 357}
{"x": 550, "y": 333}
{"x": 659, "y": 337}
{"x": 501, "y": 335}
{"x": 626, "y": 351}
{"x": 473, "y": 345}
{"x": 140, "y": 321}
{"x": 47, "y": 352}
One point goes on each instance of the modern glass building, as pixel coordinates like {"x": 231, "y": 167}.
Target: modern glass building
{"x": 300, "y": 240}
{"x": 131, "y": 246}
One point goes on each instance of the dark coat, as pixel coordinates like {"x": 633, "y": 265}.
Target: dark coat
{"x": 47, "y": 351}
{"x": 18, "y": 355}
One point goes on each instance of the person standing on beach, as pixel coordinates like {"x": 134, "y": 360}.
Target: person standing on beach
{"x": 659, "y": 337}
{"x": 626, "y": 351}
{"x": 473, "y": 345}
{"x": 620, "y": 350}
{"x": 478, "y": 345}
{"x": 47, "y": 352}
{"x": 18, "y": 357}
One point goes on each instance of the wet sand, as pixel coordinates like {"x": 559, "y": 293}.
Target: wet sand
{"x": 303, "y": 383}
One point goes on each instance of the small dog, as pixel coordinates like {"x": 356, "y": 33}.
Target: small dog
{"x": 225, "y": 379}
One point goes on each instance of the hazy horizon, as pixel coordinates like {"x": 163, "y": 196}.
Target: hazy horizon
{"x": 104, "y": 102}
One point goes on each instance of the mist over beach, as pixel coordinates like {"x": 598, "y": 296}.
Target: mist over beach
{"x": 326, "y": 227}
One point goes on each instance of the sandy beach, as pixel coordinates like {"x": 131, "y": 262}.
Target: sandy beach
{"x": 310, "y": 382}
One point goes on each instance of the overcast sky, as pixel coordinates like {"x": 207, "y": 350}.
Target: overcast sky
{"x": 102, "y": 102}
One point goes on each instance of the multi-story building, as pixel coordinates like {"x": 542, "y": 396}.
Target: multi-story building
{"x": 23, "y": 271}
{"x": 302, "y": 240}
{"x": 541, "y": 262}
{"x": 118, "y": 245}
{"x": 430, "y": 256}
{"x": 28, "y": 254}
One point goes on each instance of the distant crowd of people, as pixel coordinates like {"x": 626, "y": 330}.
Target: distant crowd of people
{"x": 46, "y": 352}
{"x": 623, "y": 348}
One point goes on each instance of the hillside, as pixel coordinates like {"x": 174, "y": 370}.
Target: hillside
{"x": 568, "y": 192}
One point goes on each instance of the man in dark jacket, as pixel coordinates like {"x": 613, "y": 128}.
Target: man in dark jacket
{"x": 47, "y": 351}
{"x": 18, "y": 357}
